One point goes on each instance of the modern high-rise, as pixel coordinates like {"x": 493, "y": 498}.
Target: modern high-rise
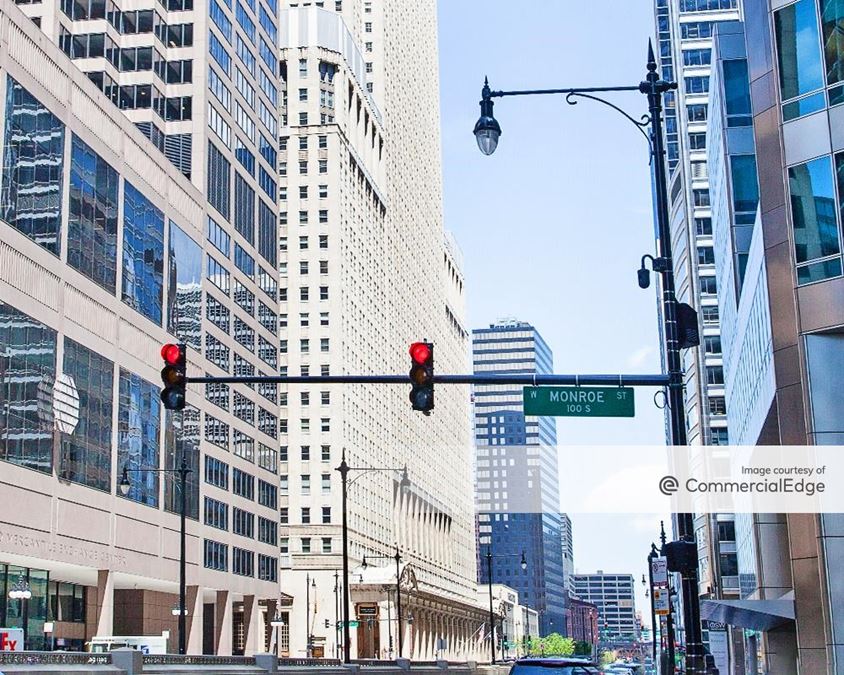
{"x": 613, "y": 595}
{"x": 782, "y": 343}
{"x": 517, "y": 484}
{"x": 685, "y": 30}
{"x": 567, "y": 538}
{"x": 109, "y": 252}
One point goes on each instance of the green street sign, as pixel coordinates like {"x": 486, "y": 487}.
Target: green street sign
{"x": 354, "y": 624}
{"x": 579, "y": 401}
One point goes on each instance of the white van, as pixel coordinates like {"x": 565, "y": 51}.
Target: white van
{"x": 147, "y": 644}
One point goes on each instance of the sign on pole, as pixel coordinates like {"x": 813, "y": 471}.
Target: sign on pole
{"x": 579, "y": 401}
{"x": 11, "y": 639}
{"x": 659, "y": 571}
{"x": 662, "y": 606}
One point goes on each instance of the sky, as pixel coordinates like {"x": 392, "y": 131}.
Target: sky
{"x": 554, "y": 224}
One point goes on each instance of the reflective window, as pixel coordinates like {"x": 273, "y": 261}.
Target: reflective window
{"x": 143, "y": 254}
{"x": 737, "y": 93}
{"x": 86, "y": 450}
{"x": 181, "y": 439}
{"x": 832, "y": 25}
{"x": 31, "y": 197}
{"x": 798, "y": 49}
{"x": 138, "y": 427}
{"x": 27, "y": 374}
{"x": 219, "y": 175}
{"x": 244, "y": 209}
{"x": 745, "y": 186}
{"x": 184, "y": 288}
{"x": 813, "y": 212}
{"x": 92, "y": 218}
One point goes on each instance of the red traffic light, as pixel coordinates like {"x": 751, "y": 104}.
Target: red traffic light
{"x": 172, "y": 354}
{"x": 420, "y": 352}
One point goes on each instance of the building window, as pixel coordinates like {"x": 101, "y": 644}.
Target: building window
{"x": 243, "y": 484}
{"x": 219, "y": 181}
{"x": 216, "y": 556}
{"x": 138, "y": 433}
{"x": 86, "y": 453}
{"x": 306, "y": 515}
{"x": 813, "y": 210}
{"x": 326, "y": 544}
{"x": 143, "y": 254}
{"x": 216, "y": 472}
{"x": 27, "y": 363}
{"x": 306, "y": 544}
{"x": 268, "y": 569}
{"x": 306, "y": 484}
{"x": 242, "y": 562}
{"x": 92, "y": 218}
{"x": 31, "y": 194}
{"x": 799, "y": 58}
{"x": 184, "y": 297}
{"x": 326, "y": 483}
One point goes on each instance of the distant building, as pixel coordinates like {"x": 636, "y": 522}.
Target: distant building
{"x": 613, "y": 595}
{"x": 567, "y": 537}
{"x": 582, "y": 621}
{"x": 515, "y": 623}
{"x": 517, "y": 486}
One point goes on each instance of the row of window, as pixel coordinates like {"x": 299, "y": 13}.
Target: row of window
{"x": 242, "y": 483}
{"x": 216, "y": 557}
{"x": 306, "y": 545}
{"x": 305, "y": 519}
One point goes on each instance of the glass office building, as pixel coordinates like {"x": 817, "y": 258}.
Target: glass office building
{"x": 517, "y": 486}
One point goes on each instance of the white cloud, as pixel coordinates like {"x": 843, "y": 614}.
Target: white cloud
{"x": 640, "y": 357}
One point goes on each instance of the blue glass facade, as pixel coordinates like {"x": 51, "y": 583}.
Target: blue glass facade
{"x": 27, "y": 373}
{"x": 33, "y": 156}
{"x": 143, "y": 254}
{"x": 92, "y": 220}
{"x": 517, "y": 465}
{"x": 138, "y": 431}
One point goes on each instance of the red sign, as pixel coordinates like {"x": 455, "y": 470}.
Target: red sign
{"x": 11, "y": 639}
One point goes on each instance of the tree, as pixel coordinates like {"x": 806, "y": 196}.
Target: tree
{"x": 551, "y": 645}
{"x": 608, "y": 656}
{"x": 582, "y": 648}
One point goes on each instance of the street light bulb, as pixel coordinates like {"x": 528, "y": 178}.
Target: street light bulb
{"x": 364, "y": 564}
{"x": 487, "y": 130}
{"x": 404, "y": 485}
{"x": 523, "y": 563}
{"x": 124, "y": 482}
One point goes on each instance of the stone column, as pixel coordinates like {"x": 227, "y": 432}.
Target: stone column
{"x": 195, "y": 618}
{"x": 223, "y": 624}
{"x": 105, "y": 603}
{"x": 253, "y": 626}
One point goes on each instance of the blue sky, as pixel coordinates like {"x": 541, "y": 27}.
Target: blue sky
{"x": 553, "y": 225}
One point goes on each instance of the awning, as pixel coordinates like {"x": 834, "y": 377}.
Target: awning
{"x": 760, "y": 615}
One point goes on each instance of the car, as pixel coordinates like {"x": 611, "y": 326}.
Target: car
{"x": 554, "y": 665}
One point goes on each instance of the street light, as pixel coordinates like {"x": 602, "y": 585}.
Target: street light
{"x": 489, "y": 557}
{"x": 22, "y": 591}
{"x": 309, "y": 584}
{"x": 344, "y": 469}
{"x": 183, "y": 471}
{"x": 487, "y": 132}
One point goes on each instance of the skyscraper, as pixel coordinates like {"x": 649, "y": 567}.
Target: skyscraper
{"x": 613, "y": 595}
{"x": 684, "y": 31}
{"x": 782, "y": 338}
{"x": 517, "y": 485}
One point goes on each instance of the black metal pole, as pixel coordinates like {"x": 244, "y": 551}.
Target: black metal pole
{"x": 344, "y": 475}
{"x": 536, "y": 380}
{"x": 654, "y": 88}
{"x": 398, "y": 602}
{"x": 491, "y": 616}
{"x": 336, "y": 614}
{"x": 669, "y": 620}
{"x": 308, "y": 615}
{"x": 651, "y": 556}
{"x": 184, "y": 470}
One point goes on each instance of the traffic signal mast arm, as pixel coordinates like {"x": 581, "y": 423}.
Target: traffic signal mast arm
{"x": 528, "y": 380}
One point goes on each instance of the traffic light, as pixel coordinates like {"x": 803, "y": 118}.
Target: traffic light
{"x": 687, "y": 326}
{"x": 681, "y": 556}
{"x": 422, "y": 376}
{"x": 327, "y": 623}
{"x": 174, "y": 376}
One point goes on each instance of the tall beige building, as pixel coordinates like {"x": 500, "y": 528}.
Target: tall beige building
{"x": 361, "y": 169}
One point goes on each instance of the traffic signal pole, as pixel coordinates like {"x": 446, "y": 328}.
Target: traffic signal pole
{"x": 527, "y": 380}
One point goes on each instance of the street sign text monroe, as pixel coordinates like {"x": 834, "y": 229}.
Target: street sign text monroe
{"x": 577, "y": 395}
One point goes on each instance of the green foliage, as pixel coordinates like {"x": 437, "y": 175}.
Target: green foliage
{"x": 551, "y": 645}
{"x": 607, "y": 657}
{"x": 582, "y": 648}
